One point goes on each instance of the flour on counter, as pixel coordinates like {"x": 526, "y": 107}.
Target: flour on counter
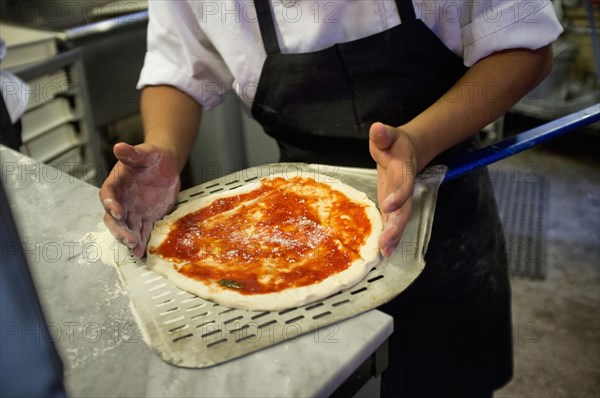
{"x": 104, "y": 246}
{"x": 112, "y": 253}
{"x": 94, "y": 340}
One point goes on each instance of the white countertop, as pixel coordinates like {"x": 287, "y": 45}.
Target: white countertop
{"x": 90, "y": 321}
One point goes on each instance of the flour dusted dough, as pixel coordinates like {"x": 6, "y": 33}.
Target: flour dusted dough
{"x": 291, "y": 297}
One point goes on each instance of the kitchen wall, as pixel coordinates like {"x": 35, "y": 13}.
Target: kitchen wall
{"x": 229, "y": 140}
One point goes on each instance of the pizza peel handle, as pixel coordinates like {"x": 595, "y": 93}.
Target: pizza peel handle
{"x": 520, "y": 142}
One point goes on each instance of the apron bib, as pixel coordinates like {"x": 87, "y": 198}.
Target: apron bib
{"x": 314, "y": 103}
{"x": 319, "y": 107}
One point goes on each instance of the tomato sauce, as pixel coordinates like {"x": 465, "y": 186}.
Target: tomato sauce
{"x": 285, "y": 233}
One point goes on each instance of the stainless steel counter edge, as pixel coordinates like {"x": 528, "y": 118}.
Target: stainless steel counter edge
{"x": 115, "y": 22}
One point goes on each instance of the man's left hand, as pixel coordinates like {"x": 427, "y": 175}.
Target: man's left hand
{"x": 394, "y": 151}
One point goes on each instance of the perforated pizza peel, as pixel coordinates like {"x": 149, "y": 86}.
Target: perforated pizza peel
{"x": 188, "y": 331}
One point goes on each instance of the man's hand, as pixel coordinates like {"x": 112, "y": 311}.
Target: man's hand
{"x": 394, "y": 152}
{"x": 141, "y": 188}
{"x": 402, "y": 152}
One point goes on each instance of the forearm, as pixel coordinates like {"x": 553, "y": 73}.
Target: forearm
{"x": 487, "y": 91}
{"x": 171, "y": 119}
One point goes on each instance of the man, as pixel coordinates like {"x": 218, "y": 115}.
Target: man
{"x": 393, "y": 85}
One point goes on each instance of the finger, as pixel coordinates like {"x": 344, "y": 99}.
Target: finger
{"x": 389, "y": 250}
{"x": 382, "y": 136}
{"x": 139, "y": 251}
{"x": 397, "y": 198}
{"x": 134, "y": 222}
{"x": 120, "y": 231}
{"x": 112, "y": 206}
{"x": 392, "y": 202}
{"x": 108, "y": 198}
{"x": 394, "y": 228}
{"x": 129, "y": 155}
{"x": 146, "y": 230}
{"x": 390, "y": 236}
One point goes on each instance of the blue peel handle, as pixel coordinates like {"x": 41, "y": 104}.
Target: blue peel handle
{"x": 520, "y": 142}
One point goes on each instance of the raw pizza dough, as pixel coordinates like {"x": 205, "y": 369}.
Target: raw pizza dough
{"x": 251, "y": 224}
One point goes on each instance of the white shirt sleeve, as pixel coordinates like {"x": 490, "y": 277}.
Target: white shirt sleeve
{"x": 179, "y": 54}
{"x": 501, "y": 25}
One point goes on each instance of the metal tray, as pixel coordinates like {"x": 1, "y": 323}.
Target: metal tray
{"x": 188, "y": 331}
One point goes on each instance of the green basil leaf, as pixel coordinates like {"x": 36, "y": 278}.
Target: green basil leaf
{"x": 231, "y": 284}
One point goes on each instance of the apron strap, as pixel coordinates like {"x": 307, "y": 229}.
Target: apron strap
{"x": 406, "y": 10}
{"x": 267, "y": 26}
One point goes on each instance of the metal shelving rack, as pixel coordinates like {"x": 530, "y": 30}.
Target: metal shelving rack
{"x": 82, "y": 157}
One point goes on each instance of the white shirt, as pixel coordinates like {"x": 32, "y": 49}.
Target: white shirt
{"x": 205, "y": 48}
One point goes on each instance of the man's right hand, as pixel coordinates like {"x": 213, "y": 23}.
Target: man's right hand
{"x": 140, "y": 189}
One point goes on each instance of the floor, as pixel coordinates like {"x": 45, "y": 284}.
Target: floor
{"x": 556, "y": 321}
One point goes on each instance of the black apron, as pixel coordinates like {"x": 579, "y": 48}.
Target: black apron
{"x": 452, "y": 325}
